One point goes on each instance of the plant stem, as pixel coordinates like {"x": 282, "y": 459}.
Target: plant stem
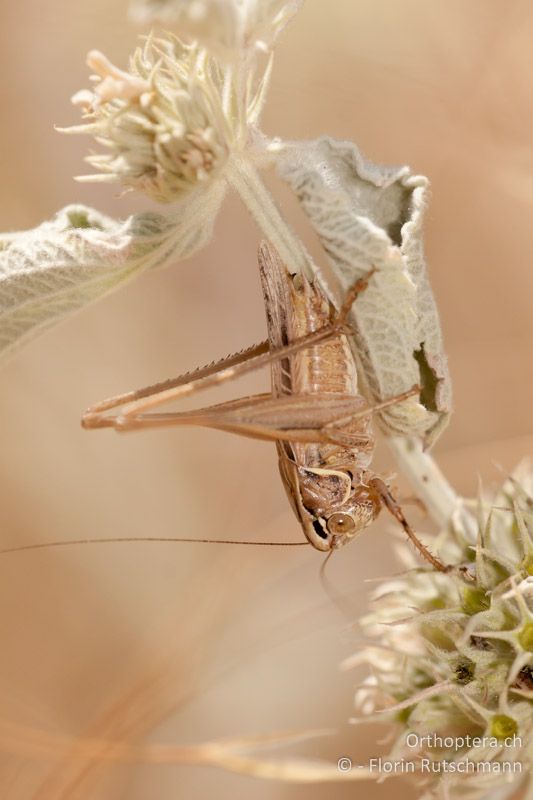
{"x": 247, "y": 182}
{"x": 444, "y": 505}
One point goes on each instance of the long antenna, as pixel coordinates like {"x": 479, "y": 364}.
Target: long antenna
{"x": 68, "y": 543}
{"x": 337, "y": 599}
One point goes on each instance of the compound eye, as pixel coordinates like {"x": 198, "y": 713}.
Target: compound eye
{"x": 340, "y": 524}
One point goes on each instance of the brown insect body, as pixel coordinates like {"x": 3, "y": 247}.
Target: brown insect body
{"x": 314, "y": 413}
{"x": 327, "y": 483}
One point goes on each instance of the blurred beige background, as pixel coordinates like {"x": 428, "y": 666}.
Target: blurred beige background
{"x": 180, "y": 644}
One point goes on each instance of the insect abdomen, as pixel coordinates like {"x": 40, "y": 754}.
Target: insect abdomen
{"x": 323, "y": 368}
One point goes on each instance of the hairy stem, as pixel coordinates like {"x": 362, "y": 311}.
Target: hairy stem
{"x": 444, "y": 505}
{"x": 247, "y": 182}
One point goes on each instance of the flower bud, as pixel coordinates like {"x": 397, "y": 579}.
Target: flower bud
{"x": 453, "y": 665}
{"x": 162, "y": 122}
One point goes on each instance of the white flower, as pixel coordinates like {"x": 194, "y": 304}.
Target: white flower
{"x": 227, "y": 27}
{"x": 170, "y": 122}
{"x": 456, "y": 659}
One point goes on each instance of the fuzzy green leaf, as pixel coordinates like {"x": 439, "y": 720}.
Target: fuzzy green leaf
{"x": 371, "y": 216}
{"x": 81, "y": 255}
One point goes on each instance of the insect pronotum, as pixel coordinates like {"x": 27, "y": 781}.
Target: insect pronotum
{"x": 314, "y": 412}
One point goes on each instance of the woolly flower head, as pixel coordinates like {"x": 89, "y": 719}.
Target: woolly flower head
{"x": 227, "y": 27}
{"x": 170, "y": 122}
{"x": 454, "y": 664}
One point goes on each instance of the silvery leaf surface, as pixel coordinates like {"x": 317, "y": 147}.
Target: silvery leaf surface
{"x": 81, "y": 255}
{"x": 371, "y": 216}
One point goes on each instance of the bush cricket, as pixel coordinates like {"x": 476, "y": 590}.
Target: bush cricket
{"x": 315, "y": 413}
